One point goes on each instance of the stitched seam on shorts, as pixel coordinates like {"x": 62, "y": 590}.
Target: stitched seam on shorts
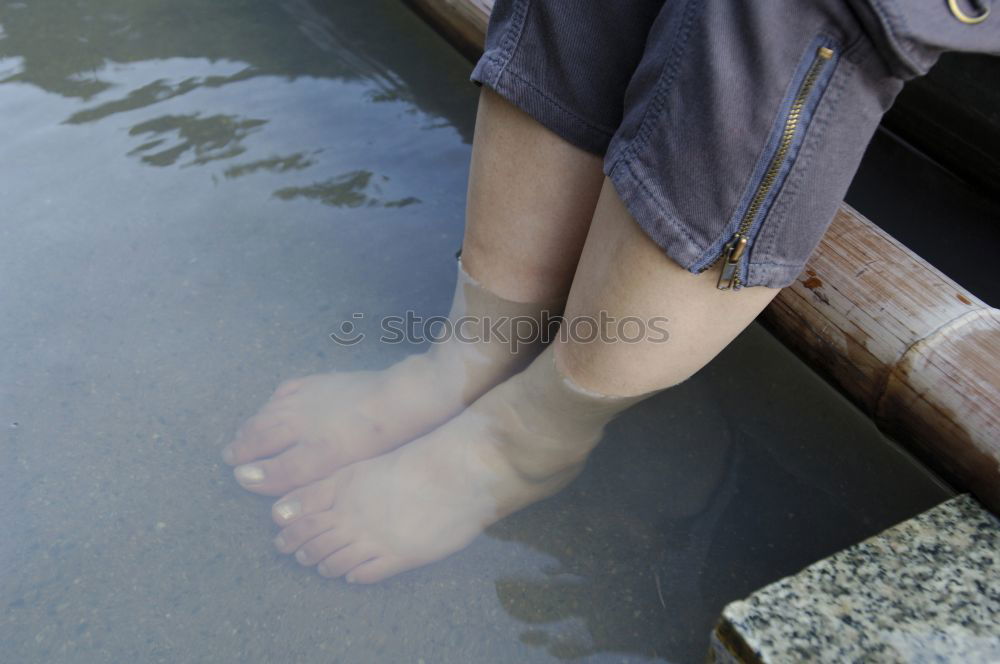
{"x": 665, "y": 80}
{"x": 862, "y": 50}
{"x": 799, "y": 156}
{"x": 555, "y": 102}
{"x": 512, "y": 38}
{"x": 654, "y": 201}
{"x": 777, "y": 263}
{"x": 895, "y": 25}
{"x": 495, "y": 81}
{"x": 492, "y": 62}
{"x": 823, "y": 116}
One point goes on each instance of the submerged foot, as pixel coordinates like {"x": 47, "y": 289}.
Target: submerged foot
{"x": 311, "y": 426}
{"x": 426, "y": 500}
{"x": 314, "y": 425}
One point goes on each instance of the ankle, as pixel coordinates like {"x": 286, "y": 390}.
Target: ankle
{"x": 538, "y": 464}
{"x": 547, "y": 424}
{"x": 538, "y": 442}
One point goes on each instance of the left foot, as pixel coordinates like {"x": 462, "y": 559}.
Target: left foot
{"x": 430, "y": 498}
{"x": 315, "y": 425}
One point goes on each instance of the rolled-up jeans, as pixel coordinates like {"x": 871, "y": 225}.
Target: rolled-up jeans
{"x": 730, "y": 129}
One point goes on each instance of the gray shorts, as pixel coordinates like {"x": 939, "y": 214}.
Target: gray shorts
{"x": 731, "y": 129}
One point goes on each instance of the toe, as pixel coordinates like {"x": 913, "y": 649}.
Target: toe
{"x": 295, "y": 467}
{"x": 378, "y": 569}
{"x": 346, "y": 559}
{"x": 312, "y": 499}
{"x": 323, "y": 546}
{"x": 263, "y": 435}
{"x": 303, "y": 530}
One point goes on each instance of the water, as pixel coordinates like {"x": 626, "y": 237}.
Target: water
{"x": 195, "y": 194}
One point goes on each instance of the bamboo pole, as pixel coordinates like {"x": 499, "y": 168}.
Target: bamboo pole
{"x": 462, "y": 22}
{"x": 904, "y": 342}
{"x": 901, "y": 339}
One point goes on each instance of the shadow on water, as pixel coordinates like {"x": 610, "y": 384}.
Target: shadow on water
{"x": 266, "y": 38}
{"x": 147, "y": 95}
{"x": 294, "y": 162}
{"x": 291, "y": 39}
{"x": 209, "y": 139}
{"x": 348, "y": 190}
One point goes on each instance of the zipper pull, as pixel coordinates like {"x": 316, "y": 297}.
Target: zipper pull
{"x": 731, "y": 255}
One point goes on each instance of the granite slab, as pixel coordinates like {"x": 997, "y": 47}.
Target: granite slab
{"x": 925, "y": 590}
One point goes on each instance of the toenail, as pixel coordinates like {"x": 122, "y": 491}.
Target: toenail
{"x": 279, "y": 542}
{"x": 228, "y": 455}
{"x": 288, "y": 510}
{"x": 302, "y": 557}
{"x": 322, "y": 569}
{"x": 350, "y": 578}
{"x": 249, "y": 474}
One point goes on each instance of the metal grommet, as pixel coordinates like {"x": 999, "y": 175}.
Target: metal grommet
{"x": 960, "y": 14}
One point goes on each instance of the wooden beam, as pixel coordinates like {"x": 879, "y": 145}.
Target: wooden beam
{"x": 902, "y": 340}
{"x": 461, "y": 22}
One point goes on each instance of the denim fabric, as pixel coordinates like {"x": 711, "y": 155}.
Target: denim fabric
{"x": 689, "y": 102}
{"x": 912, "y": 34}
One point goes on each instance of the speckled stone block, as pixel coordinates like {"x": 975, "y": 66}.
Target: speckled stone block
{"x": 926, "y": 590}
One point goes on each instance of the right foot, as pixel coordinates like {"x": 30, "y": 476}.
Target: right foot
{"x": 314, "y": 425}
{"x": 521, "y": 442}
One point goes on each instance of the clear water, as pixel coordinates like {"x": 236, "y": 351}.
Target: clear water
{"x": 194, "y": 195}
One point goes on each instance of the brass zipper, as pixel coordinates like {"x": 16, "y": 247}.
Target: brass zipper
{"x": 736, "y": 247}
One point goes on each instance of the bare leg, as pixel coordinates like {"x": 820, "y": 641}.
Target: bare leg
{"x": 623, "y": 272}
{"x": 530, "y": 435}
{"x": 531, "y": 198}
